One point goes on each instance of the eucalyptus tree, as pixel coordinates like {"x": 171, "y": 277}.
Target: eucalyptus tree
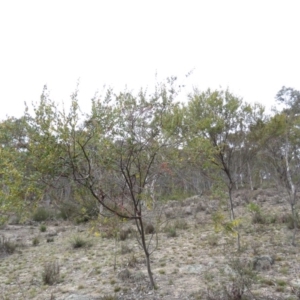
{"x": 30, "y": 156}
{"x": 216, "y": 124}
{"x": 13, "y": 167}
{"x": 281, "y": 139}
{"x": 44, "y": 148}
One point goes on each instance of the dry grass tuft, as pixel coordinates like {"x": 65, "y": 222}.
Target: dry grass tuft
{"x": 7, "y": 247}
{"x": 50, "y": 274}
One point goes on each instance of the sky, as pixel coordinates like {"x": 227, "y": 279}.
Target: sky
{"x": 250, "y": 47}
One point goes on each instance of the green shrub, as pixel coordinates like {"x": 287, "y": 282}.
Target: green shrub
{"x": 258, "y": 218}
{"x": 43, "y": 228}
{"x": 35, "y": 241}
{"x": 281, "y": 282}
{"x": 123, "y": 235}
{"x": 88, "y": 210}
{"x": 68, "y": 210}
{"x": 50, "y": 274}
{"x": 236, "y": 287}
{"x": 80, "y": 212}
{"x": 42, "y": 214}
{"x": 287, "y": 219}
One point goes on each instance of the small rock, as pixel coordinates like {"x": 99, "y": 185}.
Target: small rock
{"x": 149, "y": 229}
{"x": 200, "y": 207}
{"x": 188, "y": 211}
{"x": 51, "y": 233}
{"x": 192, "y": 269}
{"x": 124, "y": 274}
{"x": 169, "y": 213}
{"x": 77, "y": 297}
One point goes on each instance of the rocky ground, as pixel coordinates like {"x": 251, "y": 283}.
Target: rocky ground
{"x": 191, "y": 260}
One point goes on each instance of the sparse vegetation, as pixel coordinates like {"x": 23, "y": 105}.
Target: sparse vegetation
{"x": 112, "y": 173}
{"x": 223, "y": 277}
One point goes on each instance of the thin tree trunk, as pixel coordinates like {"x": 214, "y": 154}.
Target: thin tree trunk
{"x": 232, "y": 215}
{"x": 237, "y": 181}
{"x": 241, "y": 180}
{"x": 143, "y": 240}
{"x": 250, "y": 176}
{"x": 152, "y": 283}
{"x": 292, "y": 191}
{"x": 294, "y": 216}
{"x": 115, "y": 254}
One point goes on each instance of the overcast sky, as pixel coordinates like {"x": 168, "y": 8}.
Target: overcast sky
{"x": 252, "y": 47}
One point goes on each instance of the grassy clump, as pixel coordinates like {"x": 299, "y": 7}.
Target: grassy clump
{"x": 171, "y": 231}
{"x": 50, "y": 274}
{"x": 7, "y": 246}
{"x": 181, "y": 224}
{"x": 79, "y": 242}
